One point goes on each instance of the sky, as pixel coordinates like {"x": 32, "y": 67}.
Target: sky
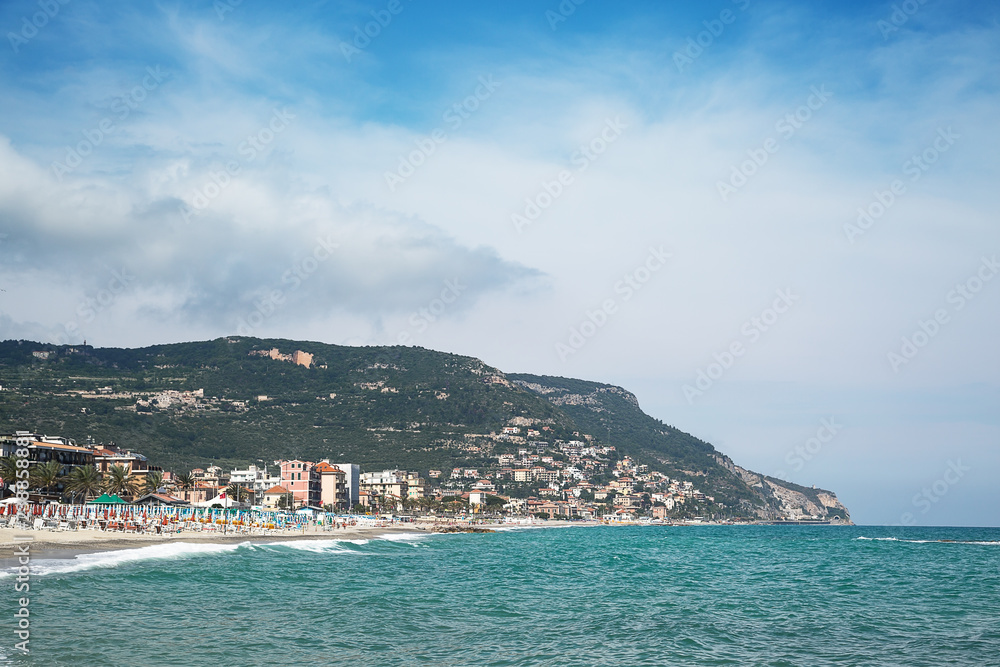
{"x": 774, "y": 223}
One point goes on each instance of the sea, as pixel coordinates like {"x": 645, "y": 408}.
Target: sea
{"x": 605, "y": 595}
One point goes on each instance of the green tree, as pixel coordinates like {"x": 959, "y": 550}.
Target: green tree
{"x": 84, "y": 481}
{"x": 8, "y": 469}
{"x": 237, "y": 492}
{"x": 46, "y": 475}
{"x": 153, "y": 481}
{"x": 120, "y": 481}
{"x": 184, "y": 480}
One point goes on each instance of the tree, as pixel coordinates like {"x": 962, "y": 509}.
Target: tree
{"x": 237, "y": 492}
{"x": 8, "y": 469}
{"x": 120, "y": 481}
{"x": 154, "y": 480}
{"x": 85, "y": 481}
{"x": 184, "y": 480}
{"x": 46, "y": 475}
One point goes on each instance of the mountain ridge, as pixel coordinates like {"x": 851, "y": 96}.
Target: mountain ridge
{"x": 380, "y": 406}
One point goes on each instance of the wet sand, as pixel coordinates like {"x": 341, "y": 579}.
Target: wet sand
{"x": 67, "y": 544}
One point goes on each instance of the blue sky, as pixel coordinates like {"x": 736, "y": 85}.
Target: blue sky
{"x": 181, "y": 171}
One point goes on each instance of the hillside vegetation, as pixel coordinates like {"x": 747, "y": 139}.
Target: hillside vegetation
{"x": 381, "y": 407}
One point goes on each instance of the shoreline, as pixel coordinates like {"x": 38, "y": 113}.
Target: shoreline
{"x": 46, "y": 544}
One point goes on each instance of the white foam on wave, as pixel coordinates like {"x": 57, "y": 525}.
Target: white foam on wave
{"x": 896, "y": 539}
{"x": 403, "y": 537}
{"x": 107, "y": 559}
{"x": 509, "y": 528}
{"x": 317, "y": 546}
{"x": 879, "y": 539}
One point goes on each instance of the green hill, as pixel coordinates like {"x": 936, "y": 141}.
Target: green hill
{"x": 380, "y": 407}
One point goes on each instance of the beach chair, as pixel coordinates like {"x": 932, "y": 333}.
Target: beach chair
{"x": 63, "y": 525}
{"x": 38, "y": 524}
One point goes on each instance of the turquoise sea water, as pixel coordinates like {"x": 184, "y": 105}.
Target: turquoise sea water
{"x": 657, "y": 595}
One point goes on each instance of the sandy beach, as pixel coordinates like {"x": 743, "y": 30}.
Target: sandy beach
{"x": 65, "y": 544}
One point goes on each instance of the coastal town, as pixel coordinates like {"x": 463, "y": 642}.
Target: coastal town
{"x": 536, "y": 477}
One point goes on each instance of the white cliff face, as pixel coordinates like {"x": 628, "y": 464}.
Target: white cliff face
{"x": 796, "y": 505}
{"x": 792, "y": 504}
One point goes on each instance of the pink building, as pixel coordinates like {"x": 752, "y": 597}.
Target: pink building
{"x": 302, "y": 480}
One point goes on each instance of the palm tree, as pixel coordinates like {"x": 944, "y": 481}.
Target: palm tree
{"x": 85, "y": 481}
{"x": 120, "y": 481}
{"x": 46, "y": 475}
{"x": 153, "y": 481}
{"x": 184, "y": 480}
{"x": 236, "y": 492}
{"x": 8, "y": 469}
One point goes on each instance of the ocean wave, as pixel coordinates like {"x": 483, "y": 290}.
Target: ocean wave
{"x": 403, "y": 537}
{"x": 107, "y": 559}
{"x": 880, "y": 539}
{"x": 896, "y": 539}
{"x": 507, "y": 528}
{"x": 315, "y": 546}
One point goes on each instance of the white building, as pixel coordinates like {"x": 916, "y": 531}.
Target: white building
{"x": 353, "y": 472}
{"x": 254, "y": 478}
